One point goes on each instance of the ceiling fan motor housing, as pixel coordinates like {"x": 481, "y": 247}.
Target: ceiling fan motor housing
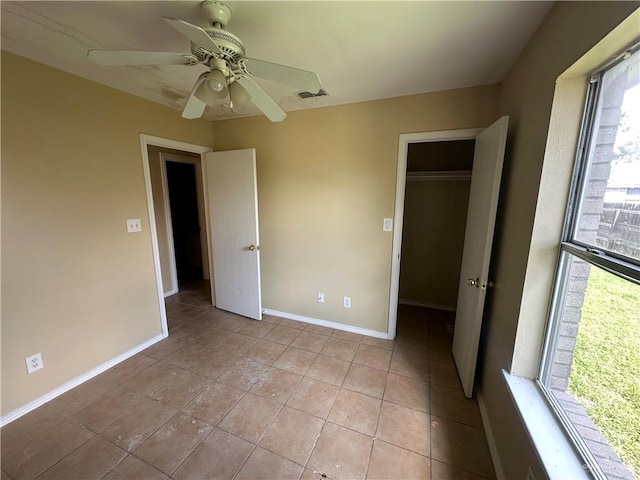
{"x": 218, "y": 15}
{"x": 231, "y": 46}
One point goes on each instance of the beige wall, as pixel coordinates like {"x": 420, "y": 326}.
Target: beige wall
{"x": 568, "y": 32}
{"x": 326, "y": 180}
{"x": 75, "y": 285}
{"x": 435, "y": 214}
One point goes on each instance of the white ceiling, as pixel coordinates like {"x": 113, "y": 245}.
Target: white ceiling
{"x": 361, "y": 50}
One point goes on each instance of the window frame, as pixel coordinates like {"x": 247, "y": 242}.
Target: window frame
{"x": 615, "y": 263}
{"x": 622, "y": 266}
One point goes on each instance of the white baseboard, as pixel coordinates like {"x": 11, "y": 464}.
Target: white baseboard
{"x": 435, "y": 306}
{"x": 170, "y": 292}
{"x": 491, "y": 441}
{"x": 327, "y": 323}
{"x": 74, "y": 382}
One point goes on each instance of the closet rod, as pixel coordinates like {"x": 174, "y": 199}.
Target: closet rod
{"x": 442, "y": 175}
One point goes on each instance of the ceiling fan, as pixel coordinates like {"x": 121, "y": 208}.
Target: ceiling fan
{"x": 230, "y": 72}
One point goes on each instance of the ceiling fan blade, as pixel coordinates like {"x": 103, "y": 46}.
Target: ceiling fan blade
{"x": 194, "y": 33}
{"x": 294, "y": 77}
{"x": 194, "y": 107}
{"x": 263, "y": 101}
{"x": 123, "y": 57}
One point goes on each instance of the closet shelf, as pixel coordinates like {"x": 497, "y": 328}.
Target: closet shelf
{"x": 439, "y": 175}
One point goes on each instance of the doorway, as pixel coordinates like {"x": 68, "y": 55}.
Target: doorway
{"x": 159, "y": 209}
{"x": 179, "y": 206}
{"x": 434, "y": 173}
{"x": 185, "y": 224}
{"x": 184, "y": 216}
{"x": 436, "y": 200}
{"x": 488, "y": 157}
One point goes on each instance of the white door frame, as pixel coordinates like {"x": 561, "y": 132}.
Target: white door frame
{"x": 173, "y": 269}
{"x": 202, "y": 219}
{"x": 145, "y": 141}
{"x": 401, "y": 180}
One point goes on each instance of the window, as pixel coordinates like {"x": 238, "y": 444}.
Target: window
{"x": 590, "y": 369}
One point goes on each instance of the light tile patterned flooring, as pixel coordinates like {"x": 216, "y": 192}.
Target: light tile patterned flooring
{"x": 228, "y": 397}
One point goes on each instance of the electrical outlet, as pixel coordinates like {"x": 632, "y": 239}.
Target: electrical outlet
{"x": 387, "y": 224}
{"x": 133, "y": 225}
{"x": 34, "y": 362}
{"x": 347, "y": 302}
{"x": 320, "y": 297}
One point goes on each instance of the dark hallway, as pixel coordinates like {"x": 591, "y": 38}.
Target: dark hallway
{"x": 181, "y": 179}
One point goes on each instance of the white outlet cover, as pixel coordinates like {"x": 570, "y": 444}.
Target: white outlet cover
{"x": 34, "y": 362}
{"x": 387, "y": 224}
{"x": 134, "y": 225}
{"x": 347, "y": 302}
{"x": 320, "y": 297}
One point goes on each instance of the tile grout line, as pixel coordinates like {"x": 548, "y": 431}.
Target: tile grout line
{"x": 129, "y": 454}
{"x": 190, "y": 451}
{"x": 64, "y": 456}
{"x": 255, "y": 445}
{"x": 375, "y": 434}
{"x": 306, "y": 466}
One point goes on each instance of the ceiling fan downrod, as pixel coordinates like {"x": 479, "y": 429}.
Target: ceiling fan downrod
{"x": 217, "y": 13}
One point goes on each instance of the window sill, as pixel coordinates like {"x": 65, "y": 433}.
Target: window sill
{"x": 556, "y": 452}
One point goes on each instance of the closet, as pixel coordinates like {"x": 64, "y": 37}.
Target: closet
{"x": 435, "y": 212}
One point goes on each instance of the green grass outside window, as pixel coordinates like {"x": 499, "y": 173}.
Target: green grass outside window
{"x": 606, "y": 369}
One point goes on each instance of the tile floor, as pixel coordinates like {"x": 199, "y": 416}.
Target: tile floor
{"x": 227, "y": 397}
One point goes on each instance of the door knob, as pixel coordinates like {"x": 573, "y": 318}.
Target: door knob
{"x": 475, "y": 282}
{"x": 486, "y": 284}
{"x": 253, "y": 248}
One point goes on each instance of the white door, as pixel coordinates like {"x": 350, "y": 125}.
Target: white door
{"x": 233, "y": 210}
{"x": 478, "y": 240}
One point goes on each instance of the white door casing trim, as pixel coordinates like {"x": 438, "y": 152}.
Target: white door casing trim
{"x": 401, "y": 179}
{"x": 145, "y": 141}
{"x": 169, "y": 224}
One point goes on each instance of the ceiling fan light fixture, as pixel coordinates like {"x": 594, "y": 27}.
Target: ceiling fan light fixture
{"x": 216, "y": 81}
{"x": 213, "y": 88}
{"x": 238, "y": 94}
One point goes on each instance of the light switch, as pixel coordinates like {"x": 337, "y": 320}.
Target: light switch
{"x": 387, "y": 224}
{"x": 133, "y": 225}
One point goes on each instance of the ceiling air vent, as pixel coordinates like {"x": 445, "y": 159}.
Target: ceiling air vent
{"x": 321, "y": 93}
